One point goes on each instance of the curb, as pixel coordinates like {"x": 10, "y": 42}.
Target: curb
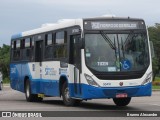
{"x": 6, "y": 85}
{"x": 156, "y": 90}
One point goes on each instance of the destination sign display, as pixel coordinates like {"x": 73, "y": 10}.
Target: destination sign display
{"x": 115, "y": 25}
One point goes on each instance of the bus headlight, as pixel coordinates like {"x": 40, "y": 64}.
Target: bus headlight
{"x": 148, "y": 79}
{"x": 91, "y": 81}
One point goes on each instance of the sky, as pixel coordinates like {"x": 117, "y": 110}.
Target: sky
{"x": 21, "y": 15}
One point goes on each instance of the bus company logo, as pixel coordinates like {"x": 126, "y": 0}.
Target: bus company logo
{"x": 121, "y": 83}
{"x": 13, "y": 70}
{"x": 95, "y": 25}
{"x": 50, "y": 71}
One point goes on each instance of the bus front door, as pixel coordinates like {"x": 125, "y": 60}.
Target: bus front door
{"x": 75, "y": 59}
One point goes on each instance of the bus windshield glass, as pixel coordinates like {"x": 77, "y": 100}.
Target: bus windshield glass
{"x": 116, "y": 52}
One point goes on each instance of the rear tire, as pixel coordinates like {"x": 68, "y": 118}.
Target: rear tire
{"x": 29, "y": 96}
{"x": 66, "y": 97}
{"x": 122, "y": 101}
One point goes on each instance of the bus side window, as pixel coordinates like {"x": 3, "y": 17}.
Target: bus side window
{"x": 27, "y": 50}
{"x": 16, "y": 51}
{"x": 60, "y": 45}
{"x": 12, "y": 50}
{"x": 32, "y": 49}
{"x": 49, "y": 46}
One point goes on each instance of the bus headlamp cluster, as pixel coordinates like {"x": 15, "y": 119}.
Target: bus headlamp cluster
{"x": 148, "y": 79}
{"x": 91, "y": 81}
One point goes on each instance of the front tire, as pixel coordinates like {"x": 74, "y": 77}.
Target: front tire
{"x": 122, "y": 101}
{"x": 29, "y": 96}
{"x": 66, "y": 97}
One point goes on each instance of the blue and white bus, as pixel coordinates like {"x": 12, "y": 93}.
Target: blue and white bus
{"x": 83, "y": 59}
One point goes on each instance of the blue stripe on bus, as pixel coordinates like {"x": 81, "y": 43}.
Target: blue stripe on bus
{"x": 51, "y": 88}
{"x": 91, "y": 92}
{"x": 47, "y": 87}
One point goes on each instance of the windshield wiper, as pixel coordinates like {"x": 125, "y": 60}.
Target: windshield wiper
{"x": 122, "y": 48}
{"x": 106, "y": 38}
{"x": 131, "y": 35}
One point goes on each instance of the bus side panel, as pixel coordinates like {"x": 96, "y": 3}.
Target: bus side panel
{"x": 46, "y": 87}
{"x": 72, "y": 90}
{"x": 50, "y": 78}
{"x": 74, "y": 82}
{"x": 35, "y": 85}
{"x": 51, "y": 87}
{"x": 35, "y": 80}
{"x": 26, "y": 72}
{"x": 15, "y": 77}
{"x": 42, "y": 80}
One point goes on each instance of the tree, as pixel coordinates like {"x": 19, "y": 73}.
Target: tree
{"x": 4, "y": 60}
{"x": 154, "y": 35}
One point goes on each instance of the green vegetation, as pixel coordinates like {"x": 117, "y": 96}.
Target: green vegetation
{"x": 6, "y": 80}
{"x": 157, "y": 79}
{"x": 155, "y": 87}
{"x": 4, "y": 62}
{"x": 154, "y": 36}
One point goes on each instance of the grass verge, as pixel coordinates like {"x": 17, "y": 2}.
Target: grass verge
{"x": 6, "y": 81}
{"x": 155, "y": 87}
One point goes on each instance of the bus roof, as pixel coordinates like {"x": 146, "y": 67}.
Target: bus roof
{"x": 63, "y": 24}
{"x": 113, "y": 18}
{"x": 48, "y": 27}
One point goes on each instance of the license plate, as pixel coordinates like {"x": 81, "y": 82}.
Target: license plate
{"x": 121, "y": 95}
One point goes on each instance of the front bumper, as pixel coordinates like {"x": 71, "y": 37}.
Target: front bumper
{"x": 91, "y": 92}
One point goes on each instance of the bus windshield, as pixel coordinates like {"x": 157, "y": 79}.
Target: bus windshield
{"x": 116, "y": 52}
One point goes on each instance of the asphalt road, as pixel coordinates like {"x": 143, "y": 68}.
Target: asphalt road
{"x": 11, "y": 100}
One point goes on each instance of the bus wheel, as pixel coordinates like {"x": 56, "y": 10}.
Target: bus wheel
{"x": 29, "y": 96}
{"x": 1, "y": 85}
{"x": 66, "y": 97}
{"x": 122, "y": 101}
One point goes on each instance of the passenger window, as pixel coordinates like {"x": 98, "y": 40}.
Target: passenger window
{"x": 61, "y": 37}
{"x": 16, "y": 52}
{"x": 32, "y": 42}
{"x": 27, "y": 42}
{"x": 17, "y": 44}
{"x": 49, "y": 46}
{"x": 49, "y": 39}
{"x": 12, "y": 44}
{"x": 61, "y": 45}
